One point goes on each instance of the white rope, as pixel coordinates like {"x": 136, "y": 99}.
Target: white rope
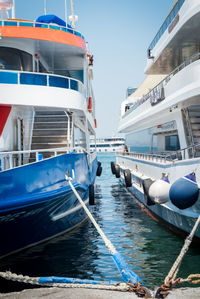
{"x": 107, "y": 242}
{"x": 34, "y": 281}
{"x": 175, "y": 268}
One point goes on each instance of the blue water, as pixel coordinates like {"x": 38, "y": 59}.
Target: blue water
{"x": 148, "y": 248}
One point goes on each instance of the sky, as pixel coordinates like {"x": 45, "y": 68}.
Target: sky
{"x": 119, "y": 33}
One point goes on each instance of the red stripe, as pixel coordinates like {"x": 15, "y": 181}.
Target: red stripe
{"x": 4, "y": 113}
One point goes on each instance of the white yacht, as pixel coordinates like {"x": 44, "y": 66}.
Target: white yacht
{"x": 107, "y": 145}
{"x": 163, "y": 114}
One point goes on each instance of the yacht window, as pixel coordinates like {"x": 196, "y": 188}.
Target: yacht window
{"x": 14, "y": 59}
{"x": 10, "y": 59}
{"x": 172, "y": 143}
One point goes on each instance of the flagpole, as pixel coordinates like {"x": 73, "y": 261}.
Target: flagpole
{"x": 45, "y": 7}
{"x": 73, "y": 18}
{"x": 13, "y": 10}
{"x": 66, "y": 12}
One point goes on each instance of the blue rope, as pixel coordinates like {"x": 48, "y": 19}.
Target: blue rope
{"x": 127, "y": 275}
{"x": 54, "y": 279}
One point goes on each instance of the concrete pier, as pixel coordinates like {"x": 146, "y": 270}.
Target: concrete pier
{"x": 60, "y": 293}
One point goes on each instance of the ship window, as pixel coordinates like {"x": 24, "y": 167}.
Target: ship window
{"x": 14, "y": 59}
{"x": 10, "y": 59}
{"x": 172, "y": 143}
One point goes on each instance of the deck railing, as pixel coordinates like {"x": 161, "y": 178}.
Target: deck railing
{"x": 166, "y": 23}
{"x": 22, "y": 23}
{"x": 40, "y": 79}
{"x": 12, "y": 159}
{"x": 155, "y": 93}
{"x": 190, "y": 152}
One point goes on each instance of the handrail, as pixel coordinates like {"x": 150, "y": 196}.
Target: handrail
{"x": 169, "y": 19}
{"x": 7, "y": 158}
{"x": 41, "y": 79}
{"x": 22, "y": 23}
{"x": 181, "y": 154}
{"x": 151, "y": 94}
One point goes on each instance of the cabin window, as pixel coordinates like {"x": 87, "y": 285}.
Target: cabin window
{"x": 172, "y": 143}
{"x": 14, "y": 59}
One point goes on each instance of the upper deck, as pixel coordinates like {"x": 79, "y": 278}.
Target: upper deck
{"x": 177, "y": 39}
{"x": 58, "y": 48}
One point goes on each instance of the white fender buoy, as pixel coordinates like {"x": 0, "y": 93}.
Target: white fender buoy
{"x": 184, "y": 192}
{"x": 159, "y": 191}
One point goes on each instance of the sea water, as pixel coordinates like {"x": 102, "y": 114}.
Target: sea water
{"x": 148, "y": 247}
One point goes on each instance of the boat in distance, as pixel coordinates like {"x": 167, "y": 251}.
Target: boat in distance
{"x": 45, "y": 90}
{"x": 163, "y": 115}
{"x": 107, "y": 145}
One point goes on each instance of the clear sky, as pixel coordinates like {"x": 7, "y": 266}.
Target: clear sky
{"x": 119, "y": 33}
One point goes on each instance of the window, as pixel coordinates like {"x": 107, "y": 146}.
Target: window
{"x": 14, "y": 59}
{"x": 172, "y": 143}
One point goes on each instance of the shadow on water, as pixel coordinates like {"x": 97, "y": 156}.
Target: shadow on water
{"x": 148, "y": 248}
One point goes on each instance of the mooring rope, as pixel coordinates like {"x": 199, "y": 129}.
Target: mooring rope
{"x": 175, "y": 268}
{"x": 64, "y": 282}
{"x": 127, "y": 274}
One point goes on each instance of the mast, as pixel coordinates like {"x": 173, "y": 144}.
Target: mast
{"x": 66, "y": 12}
{"x": 73, "y": 17}
{"x": 13, "y": 10}
{"x": 45, "y": 7}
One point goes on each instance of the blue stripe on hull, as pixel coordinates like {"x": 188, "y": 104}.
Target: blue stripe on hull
{"x": 50, "y": 209}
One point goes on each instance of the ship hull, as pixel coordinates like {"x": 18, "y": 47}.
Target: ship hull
{"x": 37, "y": 202}
{"x": 163, "y": 213}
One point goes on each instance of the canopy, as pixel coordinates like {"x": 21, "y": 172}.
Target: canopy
{"x": 51, "y": 19}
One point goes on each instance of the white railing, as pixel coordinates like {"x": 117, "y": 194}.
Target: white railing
{"x": 22, "y": 23}
{"x": 155, "y": 93}
{"x": 12, "y": 159}
{"x": 190, "y": 152}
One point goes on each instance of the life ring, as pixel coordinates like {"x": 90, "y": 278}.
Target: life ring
{"x": 117, "y": 171}
{"x": 99, "y": 170}
{"x": 127, "y": 178}
{"x": 112, "y": 165}
{"x": 91, "y": 195}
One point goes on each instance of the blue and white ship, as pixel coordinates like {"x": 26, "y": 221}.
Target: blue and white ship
{"x": 45, "y": 91}
{"x": 163, "y": 114}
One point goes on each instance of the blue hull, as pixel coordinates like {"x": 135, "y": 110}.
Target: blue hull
{"x": 37, "y": 203}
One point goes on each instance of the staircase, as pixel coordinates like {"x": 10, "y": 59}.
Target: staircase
{"x": 192, "y": 124}
{"x": 50, "y": 131}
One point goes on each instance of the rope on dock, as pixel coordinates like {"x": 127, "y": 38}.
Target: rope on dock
{"x": 170, "y": 280}
{"x": 53, "y": 282}
{"x": 175, "y": 268}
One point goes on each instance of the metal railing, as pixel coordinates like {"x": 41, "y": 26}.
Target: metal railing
{"x": 40, "y": 79}
{"x": 189, "y": 152}
{"x": 13, "y": 159}
{"x": 151, "y": 95}
{"x": 169, "y": 19}
{"x": 22, "y": 23}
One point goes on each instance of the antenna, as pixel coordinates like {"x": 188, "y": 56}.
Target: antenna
{"x": 45, "y": 7}
{"x": 13, "y": 10}
{"x": 73, "y": 17}
{"x": 66, "y": 12}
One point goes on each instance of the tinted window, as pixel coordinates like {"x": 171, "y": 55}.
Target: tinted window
{"x": 14, "y": 59}
{"x": 172, "y": 143}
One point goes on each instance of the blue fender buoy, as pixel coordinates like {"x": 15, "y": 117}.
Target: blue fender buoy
{"x": 184, "y": 192}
